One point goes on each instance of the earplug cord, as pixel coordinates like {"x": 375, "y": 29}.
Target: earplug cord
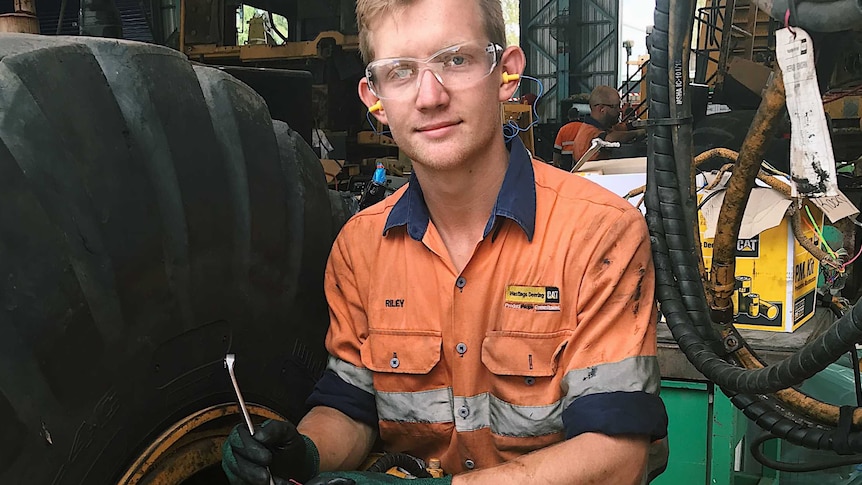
{"x": 510, "y": 128}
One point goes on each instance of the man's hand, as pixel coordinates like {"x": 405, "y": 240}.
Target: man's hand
{"x": 370, "y": 478}
{"x": 275, "y": 444}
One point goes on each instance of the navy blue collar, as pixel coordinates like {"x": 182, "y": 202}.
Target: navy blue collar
{"x": 516, "y": 200}
{"x": 592, "y": 121}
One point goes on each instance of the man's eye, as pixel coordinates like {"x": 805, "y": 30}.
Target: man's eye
{"x": 400, "y": 73}
{"x": 456, "y": 60}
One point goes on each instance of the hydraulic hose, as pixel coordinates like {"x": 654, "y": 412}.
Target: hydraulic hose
{"x": 678, "y": 283}
{"x": 681, "y": 297}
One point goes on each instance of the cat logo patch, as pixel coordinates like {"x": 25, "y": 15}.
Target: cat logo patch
{"x": 536, "y": 298}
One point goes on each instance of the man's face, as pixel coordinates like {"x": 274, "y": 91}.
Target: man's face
{"x": 438, "y": 126}
{"x": 610, "y": 113}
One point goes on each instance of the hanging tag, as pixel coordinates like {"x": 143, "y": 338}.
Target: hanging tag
{"x": 812, "y": 163}
{"x": 837, "y": 207}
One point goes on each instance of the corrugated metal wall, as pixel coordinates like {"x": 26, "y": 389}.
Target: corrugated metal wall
{"x": 594, "y": 44}
{"x": 571, "y": 46}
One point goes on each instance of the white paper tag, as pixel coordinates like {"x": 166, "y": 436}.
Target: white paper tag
{"x": 812, "y": 163}
{"x": 837, "y": 207}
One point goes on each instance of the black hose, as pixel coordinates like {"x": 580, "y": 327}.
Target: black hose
{"x": 809, "y": 466}
{"x": 401, "y": 460}
{"x": 682, "y": 299}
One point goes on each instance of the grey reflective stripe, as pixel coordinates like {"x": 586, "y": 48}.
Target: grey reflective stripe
{"x": 470, "y": 413}
{"x": 351, "y": 374}
{"x": 479, "y": 415}
{"x": 520, "y": 421}
{"x": 433, "y": 406}
{"x": 629, "y": 375}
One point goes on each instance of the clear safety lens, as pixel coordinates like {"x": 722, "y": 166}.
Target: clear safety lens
{"x": 455, "y": 67}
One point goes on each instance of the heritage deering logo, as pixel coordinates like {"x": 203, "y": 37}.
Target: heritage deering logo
{"x": 536, "y": 298}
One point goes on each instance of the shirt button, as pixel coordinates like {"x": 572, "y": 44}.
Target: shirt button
{"x": 461, "y": 348}
{"x": 394, "y": 362}
{"x": 463, "y": 411}
{"x": 470, "y": 464}
{"x": 529, "y": 381}
{"x": 461, "y": 282}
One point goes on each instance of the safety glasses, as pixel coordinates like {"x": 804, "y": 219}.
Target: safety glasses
{"x": 455, "y": 67}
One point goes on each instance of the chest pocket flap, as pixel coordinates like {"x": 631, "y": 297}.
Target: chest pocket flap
{"x": 523, "y": 354}
{"x": 401, "y": 352}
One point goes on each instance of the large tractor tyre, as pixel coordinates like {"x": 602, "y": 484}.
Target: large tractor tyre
{"x": 153, "y": 219}
{"x": 728, "y": 130}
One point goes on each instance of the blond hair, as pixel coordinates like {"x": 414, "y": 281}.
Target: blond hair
{"x": 368, "y": 11}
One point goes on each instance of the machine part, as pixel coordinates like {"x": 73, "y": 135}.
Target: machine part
{"x": 22, "y": 19}
{"x": 412, "y": 465}
{"x": 154, "y": 218}
{"x": 682, "y": 298}
{"x": 738, "y": 189}
{"x": 229, "y": 360}
{"x": 210, "y": 52}
{"x": 816, "y": 15}
{"x": 189, "y": 445}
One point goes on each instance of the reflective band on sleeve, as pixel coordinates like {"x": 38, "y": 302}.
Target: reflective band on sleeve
{"x": 351, "y": 374}
{"x": 639, "y": 373}
{"x": 433, "y": 406}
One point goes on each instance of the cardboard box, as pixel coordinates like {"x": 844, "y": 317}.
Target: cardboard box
{"x": 331, "y": 168}
{"x": 776, "y": 278}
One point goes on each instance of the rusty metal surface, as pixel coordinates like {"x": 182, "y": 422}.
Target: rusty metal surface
{"x": 189, "y": 446}
{"x": 763, "y": 127}
{"x": 292, "y": 50}
{"x": 19, "y": 22}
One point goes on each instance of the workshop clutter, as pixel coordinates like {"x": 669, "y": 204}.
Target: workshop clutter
{"x": 776, "y": 278}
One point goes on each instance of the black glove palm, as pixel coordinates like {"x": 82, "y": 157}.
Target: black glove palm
{"x": 275, "y": 444}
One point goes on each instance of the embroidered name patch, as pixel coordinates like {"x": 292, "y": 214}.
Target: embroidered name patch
{"x": 538, "y": 298}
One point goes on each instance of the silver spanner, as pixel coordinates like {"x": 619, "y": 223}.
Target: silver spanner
{"x": 229, "y": 360}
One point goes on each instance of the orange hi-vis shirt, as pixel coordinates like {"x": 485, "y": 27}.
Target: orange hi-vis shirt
{"x": 566, "y": 138}
{"x": 547, "y": 333}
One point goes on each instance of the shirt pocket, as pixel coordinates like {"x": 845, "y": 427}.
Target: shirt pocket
{"x": 409, "y": 386}
{"x": 401, "y": 351}
{"x": 524, "y": 383}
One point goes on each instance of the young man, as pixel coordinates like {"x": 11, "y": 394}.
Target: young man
{"x": 493, "y": 314}
{"x": 602, "y": 122}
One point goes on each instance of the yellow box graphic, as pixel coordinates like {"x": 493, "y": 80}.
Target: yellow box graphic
{"x": 776, "y": 278}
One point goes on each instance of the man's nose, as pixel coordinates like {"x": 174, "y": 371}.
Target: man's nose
{"x": 431, "y": 92}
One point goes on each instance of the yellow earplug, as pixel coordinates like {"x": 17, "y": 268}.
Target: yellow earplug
{"x": 375, "y": 107}
{"x": 507, "y": 78}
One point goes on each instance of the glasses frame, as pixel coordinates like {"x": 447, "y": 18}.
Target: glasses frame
{"x": 490, "y": 48}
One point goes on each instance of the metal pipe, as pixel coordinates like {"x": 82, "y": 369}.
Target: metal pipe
{"x": 722, "y": 273}
{"x": 182, "y": 42}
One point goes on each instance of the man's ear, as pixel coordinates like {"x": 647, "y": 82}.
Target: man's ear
{"x": 371, "y": 101}
{"x": 512, "y": 61}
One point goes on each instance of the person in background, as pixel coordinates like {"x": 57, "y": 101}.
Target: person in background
{"x": 566, "y": 139}
{"x": 494, "y": 314}
{"x": 603, "y": 122}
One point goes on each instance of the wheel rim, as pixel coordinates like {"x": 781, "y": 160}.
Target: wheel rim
{"x": 189, "y": 446}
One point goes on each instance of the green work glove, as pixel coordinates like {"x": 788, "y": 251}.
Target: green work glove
{"x": 372, "y": 478}
{"x": 275, "y": 444}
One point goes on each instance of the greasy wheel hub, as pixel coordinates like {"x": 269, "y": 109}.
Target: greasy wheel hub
{"x": 189, "y": 446}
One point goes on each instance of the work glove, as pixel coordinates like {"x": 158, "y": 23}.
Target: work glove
{"x": 275, "y": 444}
{"x": 372, "y": 478}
